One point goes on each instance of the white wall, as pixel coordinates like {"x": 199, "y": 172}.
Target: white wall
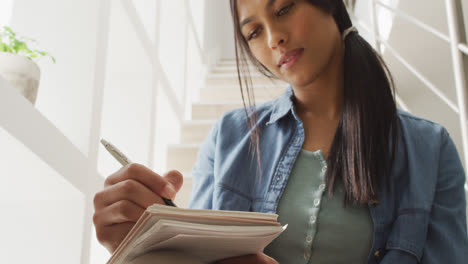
{"x": 219, "y": 33}
{"x": 6, "y": 7}
{"x": 431, "y": 56}
{"x": 43, "y": 208}
{"x": 41, "y": 212}
{"x": 68, "y": 29}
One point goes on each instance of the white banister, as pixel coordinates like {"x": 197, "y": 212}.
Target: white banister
{"x": 413, "y": 70}
{"x": 414, "y": 21}
{"x": 463, "y": 48}
{"x": 375, "y": 26}
{"x": 154, "y": 60}
{"x": 191, "y": 24}
{"x": 459, "y": 74}
{"x": 458, "y": 49}
{"x": 96, "y": 120}
{"x": 47, "y": 142}
{"x": 421, "y": 77}
{"x": 154, "y": 88}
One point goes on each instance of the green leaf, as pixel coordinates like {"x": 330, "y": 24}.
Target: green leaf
{"x": 10, "y": 42}
{"x": 20, "y": 46}
{"x": 9, "y": 30}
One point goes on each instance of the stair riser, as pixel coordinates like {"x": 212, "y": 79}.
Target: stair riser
{"x": 183, "y": 195}
{"x": 235, "y": 81}
{"x": 211, "y": 112}
{"x": 181, "y": 158}
{"x": 213, "y": 95}
{"x": 195, "y": 133}
{"x": 232, "y": 70}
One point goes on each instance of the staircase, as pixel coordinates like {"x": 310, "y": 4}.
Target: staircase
{"x": 220, "y": 94}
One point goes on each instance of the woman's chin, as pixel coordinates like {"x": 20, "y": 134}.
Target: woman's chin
{"x": 299, "y": 81}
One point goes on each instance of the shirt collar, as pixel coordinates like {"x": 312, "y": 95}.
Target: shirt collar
{"x": 283, "y": 105}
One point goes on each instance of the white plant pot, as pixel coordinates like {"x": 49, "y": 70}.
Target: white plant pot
{"x": 22, "y": 73}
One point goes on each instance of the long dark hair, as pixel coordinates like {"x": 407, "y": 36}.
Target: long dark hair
{"x": 363, "y": 148}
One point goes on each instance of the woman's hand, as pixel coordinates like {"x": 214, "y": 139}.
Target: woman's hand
{"x": 259, "y": 258}
{"x": 126, "y": 195}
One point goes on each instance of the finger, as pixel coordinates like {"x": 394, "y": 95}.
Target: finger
{"x": 120, "y": 212}
{"x": 175, "y": 178}
{"x": 145, "y": 176}
{"x": 111, "y": 236}
{"x": 130, "y": 190}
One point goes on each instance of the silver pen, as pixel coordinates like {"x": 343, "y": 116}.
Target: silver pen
{"x": 120, "y": 157}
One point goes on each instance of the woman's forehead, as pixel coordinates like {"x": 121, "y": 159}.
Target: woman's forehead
{"x": 247, "y": 8}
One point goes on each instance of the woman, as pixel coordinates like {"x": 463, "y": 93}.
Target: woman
{"x": 357, "y": 180}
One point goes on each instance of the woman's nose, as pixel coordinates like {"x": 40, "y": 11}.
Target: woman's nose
{"x": 276, "y": 38}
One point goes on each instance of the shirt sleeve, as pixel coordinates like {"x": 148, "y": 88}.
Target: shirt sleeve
{"x": 447, "y": 240}
{"x": 203, "y": 173}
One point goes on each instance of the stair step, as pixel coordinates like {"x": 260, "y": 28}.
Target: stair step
{"x": 215, "y": 94}
{"x": 220, "y": 95}
{"x": 229, "y": 62}
{"x": 182, "y": 157}
{"x": 212, "y": 111}
{"x": 231, "y": 79}
{"x": 233, "y": 75}
{"x": 183, "y": 196}
{"x": 195, "y": 131}
{"x": 232, "y": 69}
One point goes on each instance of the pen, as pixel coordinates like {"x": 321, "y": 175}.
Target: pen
{"x": 120, "y": 157}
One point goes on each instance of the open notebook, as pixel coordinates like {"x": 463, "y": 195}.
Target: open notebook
{"x": 204, "y": 236}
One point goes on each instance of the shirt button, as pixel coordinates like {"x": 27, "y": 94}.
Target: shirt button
{"x": 298, "y": 140}
{"x": 316, "y": 202}
{"x": 322, "y": 187}
{"x": 313, "y": 219}
{"x": 279, "y": 178}
{"x": 324, "y": 169}
{"x": 309, "y": 239}
{"x": 377, "y": 253}
{"x": 306, "y": 255}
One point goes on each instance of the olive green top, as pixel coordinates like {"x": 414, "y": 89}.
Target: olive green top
{"x": 320, "y": 229}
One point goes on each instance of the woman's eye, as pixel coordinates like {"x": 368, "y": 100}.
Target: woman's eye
{"x": 253, "y": 35}
{"x": 284, "y": 10}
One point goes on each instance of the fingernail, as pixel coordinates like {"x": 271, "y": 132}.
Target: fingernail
{"x": 169, "y": 191}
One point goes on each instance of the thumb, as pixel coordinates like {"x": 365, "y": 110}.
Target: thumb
{"x": 175, "y": 178}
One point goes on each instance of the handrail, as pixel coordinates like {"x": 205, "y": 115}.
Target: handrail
{"x": 415, "y": 72}
{"x": 463, "y": 48}
{"x": 72, "y": 164}
{"x": 96, "y": 121}
{"x": 459, "y": 73}
{"x": 456, "y": 48}
{"x": 421, "y": 77}
{"x": 191, "y": 25}
{"x": 154, "y": 59}
{"x": 362, "y": 25}
{"x": 414, "y": 21}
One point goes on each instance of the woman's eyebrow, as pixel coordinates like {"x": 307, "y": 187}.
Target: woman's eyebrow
{"x": 249, "y": 19}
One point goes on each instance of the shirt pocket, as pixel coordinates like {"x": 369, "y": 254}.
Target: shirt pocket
{"x": 409, "y": 232}
{"x": 230, "y": 198}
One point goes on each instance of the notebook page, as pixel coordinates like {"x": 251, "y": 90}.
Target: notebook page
{"x": 209, "y": 248}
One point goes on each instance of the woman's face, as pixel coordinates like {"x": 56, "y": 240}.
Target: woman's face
{"x": 281, "y": 30}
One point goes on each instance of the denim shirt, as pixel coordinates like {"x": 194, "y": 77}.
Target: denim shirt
{"x": 422, "y": 219}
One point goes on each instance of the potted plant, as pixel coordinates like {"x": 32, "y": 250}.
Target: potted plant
{"x": 17, "y": 64}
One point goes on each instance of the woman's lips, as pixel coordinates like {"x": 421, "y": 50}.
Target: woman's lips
{"x": 291, "y": 61}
